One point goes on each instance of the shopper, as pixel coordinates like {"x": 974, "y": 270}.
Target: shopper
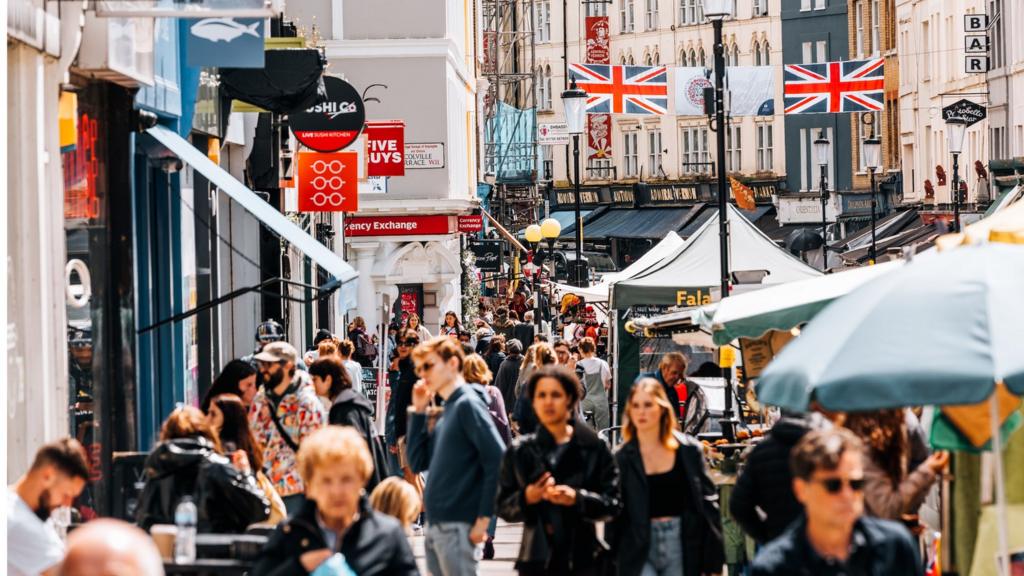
{"x": 398, "y": 499}
{"x": 366, "y": 348}
{"x": 329, "y": 378}
{"x": 109, "y": 547}
{"x": 416, "y": 325}
{"x": 525, "y": 330}
{"x": 503, "y": 324}
{"x": 891, "y": 491}
{"x": 462, "y": 454}
{"x": 670, "y": 524}
{"x": 188, "y": 463}
{"x": 558, "y": 482}
{"x": 495, "y": 354}
{"x": 57, "y": 476}
{"x": 346, "y": 350}
{"x": 451, "y": 325}
{"x": 238, "y": 377}
{"x": 508, "y": 373}
{"x": 284, "y": 412}
{"x": 336, "y": 519}
{"x": 597, "y": 383}
{"x": 564, "y": 355}
{"x": 229, "y": 420}
{"x": 835, "y": 536}
{"x": 671, "y": 370}
{"x": 401, "y": 399}
{"x": 542, "y": 355}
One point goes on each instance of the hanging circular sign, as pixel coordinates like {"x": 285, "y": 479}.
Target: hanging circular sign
{"x": 334, "y": 124}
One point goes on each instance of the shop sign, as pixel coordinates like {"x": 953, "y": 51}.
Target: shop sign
{"x": 670, "y": 194}
{"x": 976, "y": 44}
{"x": 333, "y": 124}
{"x": 553, "y": 134}
{"x": 804, "y": 210}
{"x": 855, "y": 204}
{"x": 763, "y": 192}
{"x": 969, "y": 111}
{"x": 488, "y": 255}
{"x": 471, "y": 223}
{"x": 688, "y": 297}
{"x": 598, "y": 40}
{"x": 587, "y": 197}
{"x": 385, "y": 148}
{"x": 233, "y": 42}
{"x": 623, "y": 196}
{"x": 424, "y": 155}
{"x": 328, "y": 182}
{"x": 397, "y": 225}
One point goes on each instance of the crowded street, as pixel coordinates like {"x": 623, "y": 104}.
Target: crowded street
{"x": 514, "y": 287}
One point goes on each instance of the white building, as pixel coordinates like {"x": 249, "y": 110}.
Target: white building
{"x": 1006, "y": 78}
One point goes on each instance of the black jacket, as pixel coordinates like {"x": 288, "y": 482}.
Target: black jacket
{"x": 374, "y": 545}
{"x": 767, "y": 483}
{"x": 494, "y": 361}
{"x": 351, "y": 408}
{"x": 879, "y": 548}
{"x": 549, "y": 530}
{"x": 227, "y": 500}
{"x": 701, "y": 524}
{"x": 401, "y": 394}
{"x": 524, "y": 332}
{"x": 506, "y": 378}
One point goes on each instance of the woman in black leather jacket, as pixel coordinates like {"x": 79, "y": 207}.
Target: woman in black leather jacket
{"x": 558, "y": 481}
{"x": 187, "y": 462}
{"x": 670, "y": 523}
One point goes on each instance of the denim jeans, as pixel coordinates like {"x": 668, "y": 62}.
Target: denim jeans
{"x": 449, "y": 551}
{"x": 665, "y": 552}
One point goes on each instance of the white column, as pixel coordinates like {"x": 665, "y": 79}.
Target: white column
{"x": 365, "y": 253}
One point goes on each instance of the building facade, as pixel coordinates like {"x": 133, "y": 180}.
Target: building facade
{"x": 1005, "y": 79}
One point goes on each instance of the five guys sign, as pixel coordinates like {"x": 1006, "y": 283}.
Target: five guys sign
{"x": 385, "y": 148}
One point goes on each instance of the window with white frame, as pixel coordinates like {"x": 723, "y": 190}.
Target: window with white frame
{"x": 547, "y": 162}
{"x": 650, "y": 14}
{"x": 597, "y": 8}
{"x": 654, "y": 168}
{"x": 734, "y": 60}
{"x": 733, "y": 144}
{"x": 805, "y": 5}
{"x": 765, "y": 135}
{"x": 876, "y": 29}
{"x": 755, "y": 49}
{"x": 701, "y": 58}
{"x": 691, "y": 11}
{"x": 626, "y": 17}
{"x": 630, "y": 155}
{"x": 541, "y": 87}
{"x": 548, "y": 93}
{"x": 820, "y": 4}
{"x": 694, "y": 149}
{"x": 657, "y": 58}
{"x": 631, "y": 62}
{"x": 648, "y": 61}
{"x": 822, "y": 50}
{"x": 600, "y": 168}
{"x": 866, "y": 130}
{"x": 766, "y": 54}
{"x": 760, "y": 8}
{"x": 858, "y": 23}
{"x": 622, "y": 60}
{"x": 542, "y": 21}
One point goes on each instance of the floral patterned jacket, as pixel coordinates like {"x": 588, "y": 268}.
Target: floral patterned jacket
{"x": 300, "y": 413}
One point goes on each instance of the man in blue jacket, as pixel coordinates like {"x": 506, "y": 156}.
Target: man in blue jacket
{"x": 463, "y": 454}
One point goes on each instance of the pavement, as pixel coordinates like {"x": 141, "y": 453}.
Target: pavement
{"x": 506, "y": 548}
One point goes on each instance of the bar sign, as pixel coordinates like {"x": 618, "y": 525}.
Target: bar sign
{"x": 976, "y": 43}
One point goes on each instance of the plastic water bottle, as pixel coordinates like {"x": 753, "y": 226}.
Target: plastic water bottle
{"x": 185, "y": 518}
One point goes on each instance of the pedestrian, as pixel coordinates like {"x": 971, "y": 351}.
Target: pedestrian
{"x": 834, "y": 536}
{"x": 466, "y": 338}
{"x": 401, "y": 399}
{"x": 284, "y": 412}
{"x": 57, "y": 476}
{"x": 495, "y": 354}
{"x": 503, "y": 323}
{"x": 525, "y": 330}
{"x": 336, "y": 524}
{"x": 238, "y": 377}
{"x": 462, "y": 454}
{"x": 484, "y": 334}
{"x": 397, "y": 498}
{"x": 229, "y": 420}
{"x": 558, "y": 481}
{"x": 417, "y": 326}
{"x": 670, "y": 524}
{"x": 671, "y": 369}
{"x": 538, "y": 356}
{"x": 564, "y": 356}
{"x": 597, "y": 383}
{"x": 508, "y": 372}
{"x": 762, "y": 502}
{"x": 329, "y": 378}
{"x": 366, "y": 349}
{"x": 316, "y": 352}
{"x": 891, "y": 490}
{"x": 188, "y": 462}
{"x": 518, "y": 305}
{"x": 110, "y": 547}
{"x": 451, "y": 325}
{"x": 346, "y": 349}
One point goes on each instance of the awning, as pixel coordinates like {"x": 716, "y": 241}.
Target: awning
{"x": 265, "y": 213}
{"x": 636, "y": 223}
{"x": 700, "y": 214}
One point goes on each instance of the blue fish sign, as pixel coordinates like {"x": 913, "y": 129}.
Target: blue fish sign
{"x": 226, "y": 42}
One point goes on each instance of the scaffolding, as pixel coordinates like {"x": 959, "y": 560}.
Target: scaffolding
{"x": 510, "y": 111}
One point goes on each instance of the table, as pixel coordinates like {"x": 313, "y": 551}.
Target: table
{"x": 218, "y": 566}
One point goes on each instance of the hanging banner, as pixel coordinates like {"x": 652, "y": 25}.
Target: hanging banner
{"x": 689, "y": 87}
{"x": 599, "y": 126}
{"x": 229, "y": 42}
{"x": 751, "y": 90}
{"x": 328, "y": 182}
{"x": 599, "y": 136}
{"x": 385, "y": 148}
{"x": 831, "y": 87}
{"x": 334, "y": 124}
{"x": 638, "y": 90}
{"x": 598, "y": 51}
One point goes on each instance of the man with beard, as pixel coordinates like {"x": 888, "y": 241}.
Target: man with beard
{"x": 284, "y": 411}
{"x": 57, "y": 476}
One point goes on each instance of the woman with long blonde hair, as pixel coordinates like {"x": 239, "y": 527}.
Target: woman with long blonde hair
{"x": 670, "y": 523}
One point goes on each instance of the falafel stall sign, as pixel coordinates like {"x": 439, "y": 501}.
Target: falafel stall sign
{"x": 333, "y": 124}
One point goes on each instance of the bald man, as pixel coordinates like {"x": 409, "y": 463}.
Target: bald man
{"x": 108, "y": 547}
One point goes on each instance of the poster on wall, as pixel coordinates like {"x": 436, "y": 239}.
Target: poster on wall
{"x": 410, "y": 301}
{"x": 598, "y": 40}
{"x": 599, "y": 126}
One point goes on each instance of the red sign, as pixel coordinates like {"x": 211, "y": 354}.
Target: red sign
{"x": 471, "y": 223}
{"x": 599, "y": 126}
{"x": 598, "y": 40}
{"x": 385, "y": 148}
{"x": 397, "y": 225}
{"x": 328, "y": 182}
{"x": 333, "y": 124}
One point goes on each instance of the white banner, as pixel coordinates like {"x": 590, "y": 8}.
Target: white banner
{"x": 689, "y": 86}
{"x": 751, "y": 90}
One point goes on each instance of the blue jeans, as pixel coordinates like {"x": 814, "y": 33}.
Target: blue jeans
{"x": 449, "y": 551}
{"x": 665, "y": 552}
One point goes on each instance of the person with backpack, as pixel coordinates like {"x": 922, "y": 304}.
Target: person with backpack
{"x": 284, "y": 411}
{"x": 366, "y": 350}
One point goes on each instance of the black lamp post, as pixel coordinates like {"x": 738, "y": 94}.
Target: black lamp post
{"x": 872, "y": 160}
{"x": 716, "y": 11}
{"x": 956, "y": 127}
{"x": 550, "y": 230}
{"x": 575, "y": 100}
{"x": 533, "y": 236}
{"x": 823, "y": 148}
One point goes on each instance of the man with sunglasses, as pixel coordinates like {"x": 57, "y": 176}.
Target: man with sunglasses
{"x": 834, "y": 536}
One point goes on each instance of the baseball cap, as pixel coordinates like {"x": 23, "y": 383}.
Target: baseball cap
{"x": 278, "y": 352}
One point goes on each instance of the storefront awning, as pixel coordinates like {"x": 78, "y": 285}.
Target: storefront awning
{"x": 636, "y": 223}
{"x": 265, "y": 213}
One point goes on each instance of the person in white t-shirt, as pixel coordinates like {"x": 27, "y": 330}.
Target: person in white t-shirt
{"x": 596, "y": 377}
{"x": 57, "y": 476}
{"x": 355, "y": 370}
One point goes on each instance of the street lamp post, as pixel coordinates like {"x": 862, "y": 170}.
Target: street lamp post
{"x": 716, "y": 11}
{"x": 823, "y": 148}
{"x": 534, "y": 236}
{"x": 574, "y": 100}
{"x": 956, "y": 127}
{"x": 872, "y": 160}
{"x": 550, "y": 229}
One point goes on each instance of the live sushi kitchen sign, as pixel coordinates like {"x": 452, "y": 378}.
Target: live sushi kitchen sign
{"x": 333, "y": 124}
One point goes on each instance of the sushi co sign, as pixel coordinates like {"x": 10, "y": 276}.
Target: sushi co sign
{"x": 333, "y": 124}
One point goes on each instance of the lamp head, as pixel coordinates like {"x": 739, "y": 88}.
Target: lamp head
{"x": 550, "y": 228}
{"x": 873, "y": 153}
{"x": 822, "y": 148}
{"x": 956, "y": 127}
{"x": 533, "y": 234}
{"x": 574, "y": 101}
{"x": 717, "y": 9}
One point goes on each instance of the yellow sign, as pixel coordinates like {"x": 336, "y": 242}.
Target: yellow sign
{"x": 688, "y": 298}
{"x": 726, "y": 356}
{"x": 67, "y": 120}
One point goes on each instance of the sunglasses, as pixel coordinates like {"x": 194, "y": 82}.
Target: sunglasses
{"x": 835, "y": 485}
{"x": 408, "y": 342}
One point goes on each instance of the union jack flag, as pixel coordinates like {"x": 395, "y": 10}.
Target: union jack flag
{"x": 623, "y": 89}
{"x": 830, "y": 87}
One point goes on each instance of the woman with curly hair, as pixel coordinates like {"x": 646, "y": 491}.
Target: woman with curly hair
{"x": 891, "y": 490}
